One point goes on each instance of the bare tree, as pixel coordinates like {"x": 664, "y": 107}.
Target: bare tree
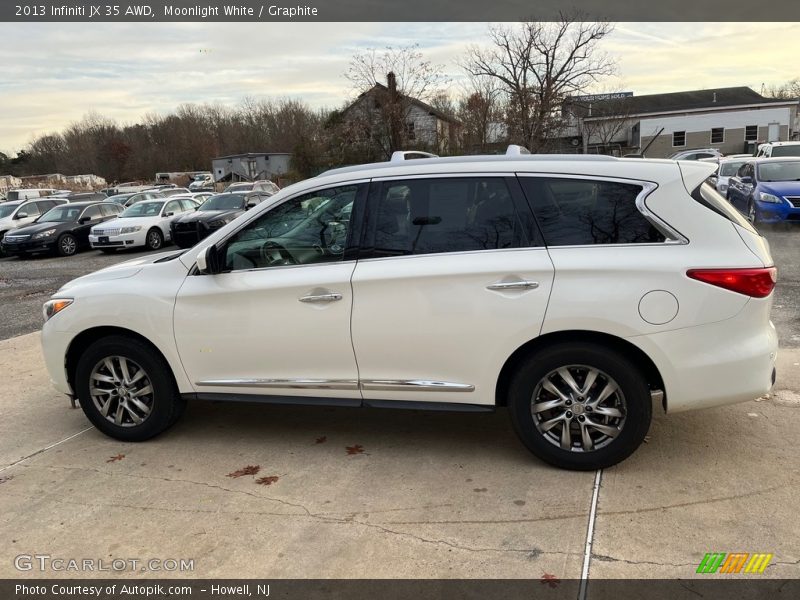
{"x": 539, "y": 65}
{"x": 788, "y": 90}
{"x": 481, "y": 114}
{"x": 602, "y": 123}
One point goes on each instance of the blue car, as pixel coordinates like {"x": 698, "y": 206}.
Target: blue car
{"x": 767, "y": 190}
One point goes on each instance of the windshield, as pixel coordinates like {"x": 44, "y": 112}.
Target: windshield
{"x": 119, "y": 198}
{"x": 791, "y": 150}
{"x": 241, "y": 187}
{"x": 143, "y": 209}
{"x": 729, "y": 169}
{"x": 61, "y": 214}
{"x": 779, "y": 171}
{"x": 224, "y": 202}
{"x": 6, "y": 210}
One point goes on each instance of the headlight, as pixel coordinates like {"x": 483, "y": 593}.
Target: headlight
{"x": 219, "y": 222}
{"x": 131, "y": 229}
{"x": 55, "y": 306}
{"x": 772, "y": 199}
{"x": 43, "y": 234}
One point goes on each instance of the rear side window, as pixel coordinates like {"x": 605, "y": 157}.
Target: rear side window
{"x": 709, "y": 197}
{"x": 110, "y": 210}
{"x": 582, "y": 212}
{"x": 432, "y": 216}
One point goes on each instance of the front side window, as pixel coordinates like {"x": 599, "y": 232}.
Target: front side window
{"x": 146, "y": 208}
{"x": 173, "y": 207}
{"x": 91, "y": 213}
{"x": 312, "y": 228}
{"x": 31, "y": 209}
{"x": 580, "y": 212}
{"x": 678, "y": 139}
{"x": 431, "y": 216}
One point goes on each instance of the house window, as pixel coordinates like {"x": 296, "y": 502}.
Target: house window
{"x": 678, "y": 138}
{"x": 410, "y": 133}
{"x": 717, "y": 135}
{"x": 751, "y": 133}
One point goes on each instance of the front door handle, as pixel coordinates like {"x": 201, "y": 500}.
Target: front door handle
{"x": 513, "y": 285}
{"x": 329, "y": 297}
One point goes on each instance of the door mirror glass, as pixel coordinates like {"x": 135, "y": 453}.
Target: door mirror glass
{"x": 21, "y": 215}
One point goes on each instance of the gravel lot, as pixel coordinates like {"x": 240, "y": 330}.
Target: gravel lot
{"x": 26, "y": 283}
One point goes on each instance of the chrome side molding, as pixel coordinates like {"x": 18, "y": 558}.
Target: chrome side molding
{"x": 414, "y": 385}
{"x": 408, "y": 385}
{"x": 301, "y": 384}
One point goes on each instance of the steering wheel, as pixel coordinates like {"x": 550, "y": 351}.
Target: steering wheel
{"x": 267, "y": 253}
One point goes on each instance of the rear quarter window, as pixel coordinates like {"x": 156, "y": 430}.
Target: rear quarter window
{"x": 581, "y": 212}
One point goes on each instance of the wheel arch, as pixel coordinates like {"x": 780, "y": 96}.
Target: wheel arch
{"x": 87, "y": 337}
{"x": 624, "y": 347}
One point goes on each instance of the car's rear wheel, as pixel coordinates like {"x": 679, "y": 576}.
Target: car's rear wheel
{"x": 67, "y": 245}
{"x": 126, "y": 390}
{"x": 155, "y": 239}
{"x": 580, "y": 406}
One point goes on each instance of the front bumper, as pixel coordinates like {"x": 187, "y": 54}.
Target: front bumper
{"x": 769, "y": 212}
{"x": 123, "y": 240}
{"x": 28, "y": 246}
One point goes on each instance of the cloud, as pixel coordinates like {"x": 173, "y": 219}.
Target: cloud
{"x": 53, "y": 74}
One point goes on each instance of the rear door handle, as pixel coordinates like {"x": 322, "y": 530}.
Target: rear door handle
{"x": 330, "y": 297}
{"x": 513, "y": 285}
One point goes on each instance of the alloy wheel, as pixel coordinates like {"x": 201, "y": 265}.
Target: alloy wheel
{"x": 154, "y": 240}
{"x": 68, "y": 245}
{"x": 121, "y": 391}
{"x": 578, "y": 408}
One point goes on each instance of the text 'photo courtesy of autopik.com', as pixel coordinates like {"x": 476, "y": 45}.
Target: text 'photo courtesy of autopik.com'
{"x": 352, "y": 299}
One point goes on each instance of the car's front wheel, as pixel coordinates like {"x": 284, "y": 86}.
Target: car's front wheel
{"x": 67, "y": 245}
{"x": 155, "y": 239}
{"x": 126, "y": 389}
{"x": 752, "y": 213}
{"x": 580, "y": 406}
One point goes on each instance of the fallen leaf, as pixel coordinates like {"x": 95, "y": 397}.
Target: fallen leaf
{"x": 248, "y": 470}
{"x": 322, "y": 440}
{"x": 550, "y": 579}
{"x": 647, "y": 439}
{"x": 357, "y": 449}
{"x": 116, "y": 458}
{"x": 267, "y": 480}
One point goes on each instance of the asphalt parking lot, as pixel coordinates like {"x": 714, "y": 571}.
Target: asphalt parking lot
{"x": 282, "y": 492}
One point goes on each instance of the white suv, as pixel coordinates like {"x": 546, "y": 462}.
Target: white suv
{"x": 576, "y": 291}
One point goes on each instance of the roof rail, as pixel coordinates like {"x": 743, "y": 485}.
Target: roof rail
{"x": 514, "y": 150}
{"x": 400, "y": 155}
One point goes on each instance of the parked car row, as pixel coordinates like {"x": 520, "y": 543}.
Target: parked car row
{"x": 146, "y": 219}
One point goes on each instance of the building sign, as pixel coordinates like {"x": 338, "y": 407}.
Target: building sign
{"x": 598, "y": 97}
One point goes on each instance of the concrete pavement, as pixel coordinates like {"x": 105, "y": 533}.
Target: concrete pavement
{"x": 418, "y": 495}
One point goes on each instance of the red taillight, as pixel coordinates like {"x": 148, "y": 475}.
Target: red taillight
{"x": 757, "y": 283}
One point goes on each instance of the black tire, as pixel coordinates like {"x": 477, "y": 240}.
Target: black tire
{"x": 154, "y": 239}
{"x": 165, "y": 403}
{"x": 67, "y": 245}
{"x": 635, "y": 399}
{"x": 752, "y": 213}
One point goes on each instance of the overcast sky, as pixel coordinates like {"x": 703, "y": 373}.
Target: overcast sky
{"x": 53, "y": 74}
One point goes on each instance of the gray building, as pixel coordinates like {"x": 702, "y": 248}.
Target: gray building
{"x": 251, "y": 166}
{"x": 733, "y": 120}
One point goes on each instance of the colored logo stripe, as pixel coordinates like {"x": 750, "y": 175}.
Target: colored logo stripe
{"x": 734, "y": 562}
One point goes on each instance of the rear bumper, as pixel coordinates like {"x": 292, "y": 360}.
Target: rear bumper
{"x": 718, "y": 363}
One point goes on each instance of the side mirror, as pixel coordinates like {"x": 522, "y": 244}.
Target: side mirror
{"x": 169, "y": 214}
{"x": 21, "y": 215}
{"x": 208, "y": 261}
{"x": 249, "y": 205}
{"x": 747, "y": 180}
{"x": 83, "y": 220}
